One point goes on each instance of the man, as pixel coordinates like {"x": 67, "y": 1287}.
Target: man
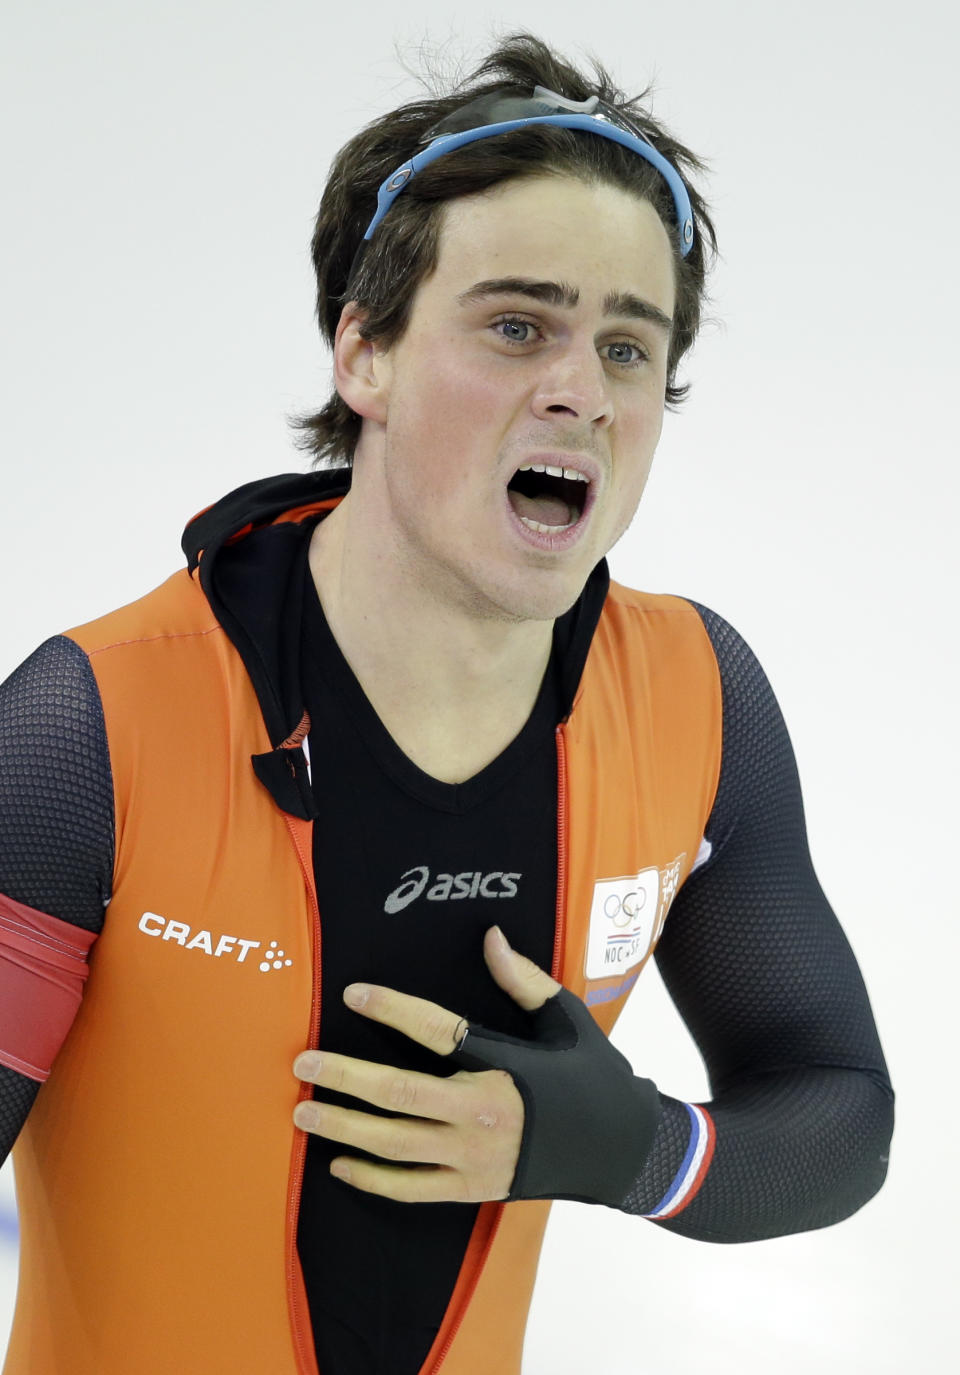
{"x": 391, "y": 786}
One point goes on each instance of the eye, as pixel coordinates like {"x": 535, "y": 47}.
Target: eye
{"x": 512, "y": 329}
{"x": 619, "y": 354}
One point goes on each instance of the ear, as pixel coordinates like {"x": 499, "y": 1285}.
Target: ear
{"x": 359, "y": 370}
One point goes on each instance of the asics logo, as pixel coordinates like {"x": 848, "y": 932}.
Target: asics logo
{"x": 450, "y": 887}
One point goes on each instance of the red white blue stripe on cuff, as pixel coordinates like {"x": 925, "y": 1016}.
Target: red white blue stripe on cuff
{"x": 693, "y": 1170}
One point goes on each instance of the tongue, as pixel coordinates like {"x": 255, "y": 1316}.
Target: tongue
{"x": 548, "y": 510}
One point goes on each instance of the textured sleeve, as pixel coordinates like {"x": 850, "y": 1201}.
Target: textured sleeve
{"x": 759, "y": 968}
{"x": 56, "y": 840}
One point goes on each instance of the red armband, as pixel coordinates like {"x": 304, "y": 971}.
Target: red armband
{"x": 43, "y": 967}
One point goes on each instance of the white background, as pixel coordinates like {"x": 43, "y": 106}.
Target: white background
{"x": 162, "y": 164}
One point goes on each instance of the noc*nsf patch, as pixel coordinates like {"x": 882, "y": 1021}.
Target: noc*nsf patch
{"x": 623, "y": 918}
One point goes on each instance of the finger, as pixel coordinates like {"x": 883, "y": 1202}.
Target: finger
{"x": 403, "y": 1183}
{"x": 403, "y": 1091}
{"x": 400, "y": 1139}
{"x": 526, "y": 983}
{"x": 426, "y": 1023}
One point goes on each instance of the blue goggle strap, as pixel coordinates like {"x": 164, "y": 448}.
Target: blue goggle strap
{"x": 391, "y": 187}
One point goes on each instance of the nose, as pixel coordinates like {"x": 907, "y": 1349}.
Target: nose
{"x": 574, "y": 384}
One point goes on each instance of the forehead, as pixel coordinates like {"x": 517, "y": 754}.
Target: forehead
{"x": 599, "y": 238}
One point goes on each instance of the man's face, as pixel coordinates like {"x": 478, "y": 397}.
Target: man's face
{"x": 540, "y": 339}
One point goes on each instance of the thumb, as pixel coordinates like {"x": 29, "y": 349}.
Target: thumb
{"x": 526, "y": 983}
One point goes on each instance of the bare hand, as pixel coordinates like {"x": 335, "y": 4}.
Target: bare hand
{"x": 455, "y": 1139}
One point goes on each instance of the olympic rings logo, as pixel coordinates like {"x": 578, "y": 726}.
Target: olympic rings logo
{"x": 623, "y": 910}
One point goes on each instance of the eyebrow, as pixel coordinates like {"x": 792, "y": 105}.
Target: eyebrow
{"x": 622, "y": 303}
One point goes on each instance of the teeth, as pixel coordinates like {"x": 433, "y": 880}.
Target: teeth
{"x": 571, "y": 474}
{"x": 545, "y": 529}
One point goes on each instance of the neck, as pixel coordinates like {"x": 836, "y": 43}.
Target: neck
{"x": 452, "y": 685}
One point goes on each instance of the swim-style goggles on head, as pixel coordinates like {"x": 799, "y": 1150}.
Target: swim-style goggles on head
{"x": 498, "y": 114}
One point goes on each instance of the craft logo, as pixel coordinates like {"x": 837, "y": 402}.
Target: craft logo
{"x": 626, "y": 918}
{"x": 232, "y": 948}
{"x": 450, "y": 887}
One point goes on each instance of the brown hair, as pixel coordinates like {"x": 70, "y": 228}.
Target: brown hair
{"x": 404, "y": 248}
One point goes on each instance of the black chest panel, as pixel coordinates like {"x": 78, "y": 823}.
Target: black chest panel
{"x": 410, "y": 873}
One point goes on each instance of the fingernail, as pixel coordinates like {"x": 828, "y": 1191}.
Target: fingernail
{"x": 308, "y": 1065}
{"x": 500, "y": 940}
{"x": 306, "y": 1115}
{"x": 340, "y": 1169}
{"x": 356, "y": 995}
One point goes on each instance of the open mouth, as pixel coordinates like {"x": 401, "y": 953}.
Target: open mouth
{"x": 548, "y": 499}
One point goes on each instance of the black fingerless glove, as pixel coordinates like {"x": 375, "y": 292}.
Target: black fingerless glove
{"x": 589, "y": 1121}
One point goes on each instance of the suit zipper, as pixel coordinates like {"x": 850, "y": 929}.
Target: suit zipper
{"x": 561, "y": 918}
{"x": 299, "y": 1316}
